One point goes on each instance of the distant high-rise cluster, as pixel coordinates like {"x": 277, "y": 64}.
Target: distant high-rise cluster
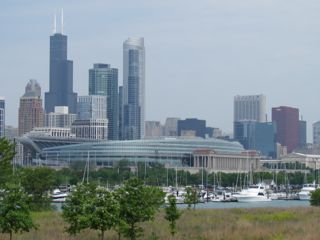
{"x": 113, "y": 112}
{"x": 2, "y": 117}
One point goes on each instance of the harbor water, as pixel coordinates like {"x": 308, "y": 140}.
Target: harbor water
{"x": 269, "y": 204}
{"x": 225, "y": 205}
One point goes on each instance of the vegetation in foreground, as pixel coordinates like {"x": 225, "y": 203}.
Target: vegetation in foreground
{"x": 294, "y": 223}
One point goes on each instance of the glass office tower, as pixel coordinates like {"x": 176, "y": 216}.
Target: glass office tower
{"x": 103, "y": 80}
{"x": 133, "y": 88}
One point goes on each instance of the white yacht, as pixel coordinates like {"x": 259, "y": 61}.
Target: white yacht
{"x": 254, "y": 193}
{"x": 306, "y": 191}
{"x": 58, "y": 196}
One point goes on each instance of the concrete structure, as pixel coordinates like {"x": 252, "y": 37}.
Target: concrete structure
{"x": 216, "y": 162}
{"x": 251, "y": 107}
{"x": 103, "y": 80}
{"x": 92, "y": 107}
{"x": 192, "y": 124}
{"x": 61, "y": 76}
{"x": 154, "y": 129}
{"x": 316, "y": 132}
{"x": 31, "y": 113}
{"x": 60, "y": 118}
{"x": 90, "y": 128}
{"x": 287, "y": 122}
{"x": 2, "y": 117}
{"x": 309, "y": 160}
{"x": 58, "y": 132}
{"x": 171, "y": 127}
{"x": 133, "y": 89}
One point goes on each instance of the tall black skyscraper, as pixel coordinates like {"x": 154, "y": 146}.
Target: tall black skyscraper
{"x": 61, "y": 75}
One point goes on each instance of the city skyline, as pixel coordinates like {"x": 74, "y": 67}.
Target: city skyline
{"x": 238, "y": 49}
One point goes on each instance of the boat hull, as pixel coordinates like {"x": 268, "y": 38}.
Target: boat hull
{"x": 252, "y": 198}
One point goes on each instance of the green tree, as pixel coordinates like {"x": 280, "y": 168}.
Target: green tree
{"x": 138, "y": 203}
{"x": 191, "y": 197}
{"x": 14, "y": 211}
{"x": 103, "y": 211}
{"x": 7, "y": 152}
{"x": 315, "y": 198}
{"x": 172, "y": 214}
{"x": 76, "y": 208}
{"x": 37, "y": 182}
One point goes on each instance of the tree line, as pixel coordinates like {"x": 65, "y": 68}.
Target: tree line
{"x": 88, "y": 206}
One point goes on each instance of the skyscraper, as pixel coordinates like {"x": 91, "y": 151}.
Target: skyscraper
{"x": 133, "y": 88}
{"x": 316, "y": 132}
{"x": 287, "y": 123}
{"x": 251, "y": 107}
{"x": 31, "y": 113}
{"x": 2, "y": 117}
{"x": 92, "y": 107}
{"x": 61, "y": 75}
{"x": 103, "y": 80}
{"x": 120, "y": 112}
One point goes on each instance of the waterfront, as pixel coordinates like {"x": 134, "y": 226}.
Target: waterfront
{"x": 227, "y": 205}
{"x": 270, "y": 204}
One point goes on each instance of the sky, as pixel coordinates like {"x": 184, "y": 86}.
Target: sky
{"x": 199, "y": 54}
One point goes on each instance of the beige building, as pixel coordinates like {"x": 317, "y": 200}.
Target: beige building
{"x": 218, "y": 162}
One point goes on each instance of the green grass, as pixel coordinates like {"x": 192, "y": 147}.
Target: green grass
{"x": 269, "y": 224}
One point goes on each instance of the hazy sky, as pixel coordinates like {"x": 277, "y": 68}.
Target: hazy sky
{"x": 199, "y": 54}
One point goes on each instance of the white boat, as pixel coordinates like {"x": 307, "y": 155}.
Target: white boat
{"x": 254, "y": 193}
{"x": 306, "y": 190}
{"x": 58, "y": 196}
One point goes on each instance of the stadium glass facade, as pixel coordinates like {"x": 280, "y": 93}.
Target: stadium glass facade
{"x": 176, "y": 151}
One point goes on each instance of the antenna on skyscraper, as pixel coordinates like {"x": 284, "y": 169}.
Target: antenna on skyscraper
{"x": 54, "y": 23}
{"x": 61, "y": 20}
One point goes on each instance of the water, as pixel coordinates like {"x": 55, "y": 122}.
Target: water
{"x": 270, "y": 204}
{"x": 224, "y": 205}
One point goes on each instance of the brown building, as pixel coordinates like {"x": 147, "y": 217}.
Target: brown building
{"x": 287, "y": 123}
{"x": 31, "y": 112}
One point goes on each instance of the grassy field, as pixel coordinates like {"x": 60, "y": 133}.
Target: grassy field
{"x": 274, "y": 223}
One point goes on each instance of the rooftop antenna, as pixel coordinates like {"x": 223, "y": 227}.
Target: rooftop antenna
{"x": 61, "y": 20}
{"x": 54, "y": 30}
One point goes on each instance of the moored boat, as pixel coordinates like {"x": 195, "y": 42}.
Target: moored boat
{"x": 254, "y": 193}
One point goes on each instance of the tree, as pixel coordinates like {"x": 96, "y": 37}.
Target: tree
{"x": 172, "y": 214}
{"x": 7, "y": 152}
{"x": 76, "y": 208}
{"x": 92, "y": 207}
{"x": 315, "y": 198}
{"x": 37, "y": 182}
{"x": 138, "y": 203}
{"x": 103, "y": 211}
{"x": 191, "y": 197}
{"x": 14, "y": 211}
